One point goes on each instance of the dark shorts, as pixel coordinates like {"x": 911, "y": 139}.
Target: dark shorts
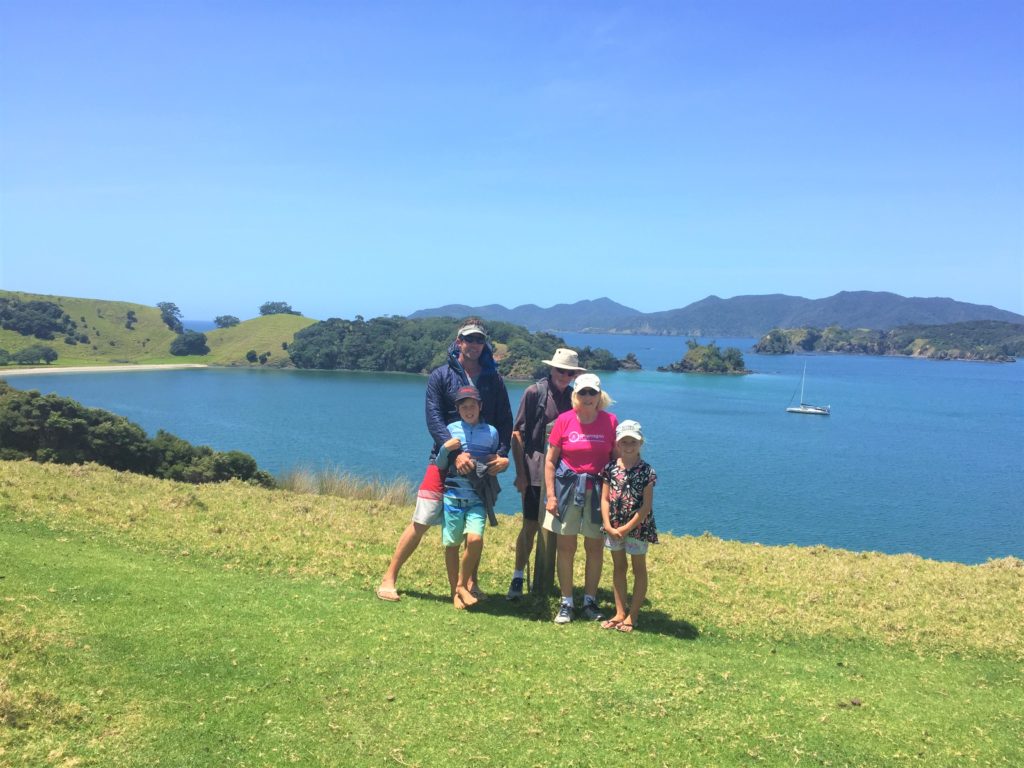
{"x": 531, "y": 503}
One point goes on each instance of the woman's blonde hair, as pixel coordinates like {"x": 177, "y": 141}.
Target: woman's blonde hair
{"x": 603, "y": 400}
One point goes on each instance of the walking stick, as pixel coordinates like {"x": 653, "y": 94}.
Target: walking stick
{"x": 544, "y": 559}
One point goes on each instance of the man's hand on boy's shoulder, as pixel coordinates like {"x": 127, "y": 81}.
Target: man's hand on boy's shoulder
{"x": 452, "y": 444}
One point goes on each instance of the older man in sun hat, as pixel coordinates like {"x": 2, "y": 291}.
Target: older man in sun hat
{"x": 470, "y": 362}
{"x": 542, "y": 402}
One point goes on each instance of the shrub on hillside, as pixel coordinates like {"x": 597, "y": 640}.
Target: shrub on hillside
{"x": 189, "y": 343}
{"x": 178, "y": 459}
{"x": 277, "y": 308}
{"x": 171, "y": 315}
{"x": 36, "y": 353}
{"x": 42, "y": 319}
{"x": 49, "y": 428}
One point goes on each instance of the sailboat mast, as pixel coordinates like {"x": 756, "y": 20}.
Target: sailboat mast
{"x": 802, "y": 378}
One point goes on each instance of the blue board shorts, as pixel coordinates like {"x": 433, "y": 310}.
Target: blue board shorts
{"x": 461, "y": 516}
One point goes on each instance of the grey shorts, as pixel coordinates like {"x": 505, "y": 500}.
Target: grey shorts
{"x": 428, "y": 511}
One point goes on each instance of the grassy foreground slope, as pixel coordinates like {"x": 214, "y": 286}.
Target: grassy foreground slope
{"x": 147, "y": 622}
{"x": 149, "y": 341}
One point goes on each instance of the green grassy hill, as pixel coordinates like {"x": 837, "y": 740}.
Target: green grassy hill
{"x": 104, "y": 323}
{"x": 148, "y": 622}
{"x": 148, "y": 342}
{"x": 228, "y": 346}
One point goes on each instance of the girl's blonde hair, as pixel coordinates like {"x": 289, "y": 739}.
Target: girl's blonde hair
{"x": 603, "y": 401}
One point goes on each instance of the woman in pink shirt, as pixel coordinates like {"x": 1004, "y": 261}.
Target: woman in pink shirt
{"x": 581, "y": 444}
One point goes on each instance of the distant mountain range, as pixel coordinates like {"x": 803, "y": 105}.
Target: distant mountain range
{"x": 740, "y": 316}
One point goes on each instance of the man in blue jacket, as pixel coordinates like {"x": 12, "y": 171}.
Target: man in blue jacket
{"x": 470, "y": 362}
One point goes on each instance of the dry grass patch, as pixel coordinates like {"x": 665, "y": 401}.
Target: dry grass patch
{"x": 779, "y": 592}
{"x": 337, "y": 482}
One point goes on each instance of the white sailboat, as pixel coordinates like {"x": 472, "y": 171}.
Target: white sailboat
{"x": 815, "y": 410}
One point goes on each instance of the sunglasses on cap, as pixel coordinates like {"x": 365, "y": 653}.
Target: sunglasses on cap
{"x": 588, "y": 392}
{"x": 474, "y": 338}
{"x": 567, "y": 372}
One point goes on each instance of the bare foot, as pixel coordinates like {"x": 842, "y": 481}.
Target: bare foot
{"x": 626, "y": 626}
{"x": 457, "y": 602}
{"x": 613, "y": 622}
{"x": 466, "y": 596}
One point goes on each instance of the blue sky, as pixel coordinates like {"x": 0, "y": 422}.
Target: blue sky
{"x": 382, "y": 157}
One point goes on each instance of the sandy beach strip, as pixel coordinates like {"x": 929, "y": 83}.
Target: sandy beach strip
{"x": 96, "y": 369}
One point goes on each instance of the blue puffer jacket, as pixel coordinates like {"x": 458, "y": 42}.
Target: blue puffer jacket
{"x": 444, "y": 382}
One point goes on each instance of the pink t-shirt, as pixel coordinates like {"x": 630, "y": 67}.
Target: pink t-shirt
{"x": 585, "y": 447}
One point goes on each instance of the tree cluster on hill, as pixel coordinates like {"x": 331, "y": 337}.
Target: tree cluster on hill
{"x": 708, "y": 358}
{"x": 417, "y": 345}
{"x": 226, "y": 321}
{"x": 171, "y": 316}
{"x": 42, "y": 319}
{"x": 277, "y": 308}
{"x": 30, "y": 355}
{"x": 48, "y": 428}
{"x": 975, "y": 340}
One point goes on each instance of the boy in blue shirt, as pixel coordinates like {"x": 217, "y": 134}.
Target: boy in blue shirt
{"x": 464, "y": 509}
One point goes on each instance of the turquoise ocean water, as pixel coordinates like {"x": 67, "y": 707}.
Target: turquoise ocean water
{"x": 919, "y": 456}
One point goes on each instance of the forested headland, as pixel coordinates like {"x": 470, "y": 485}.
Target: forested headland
{"x": 410, "y": 345}
{"x": 54, "y": 429}
{"x": 989, "y": 340}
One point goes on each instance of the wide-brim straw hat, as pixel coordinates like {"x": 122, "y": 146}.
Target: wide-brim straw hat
{"x": 565, "y": 358}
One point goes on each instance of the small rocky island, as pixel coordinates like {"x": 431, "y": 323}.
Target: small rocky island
{"x": 630, "y": 363}
{"x": 708, "y": 358}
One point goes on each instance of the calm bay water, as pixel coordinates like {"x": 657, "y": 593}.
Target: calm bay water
{"x": 918, "y": 456}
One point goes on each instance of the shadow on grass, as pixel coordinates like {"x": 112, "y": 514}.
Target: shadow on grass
{"x": 412, "y": 594}
{"x": 537, "y": 608}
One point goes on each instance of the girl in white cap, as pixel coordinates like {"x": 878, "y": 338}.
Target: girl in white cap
{"x": 627, "y": 510}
